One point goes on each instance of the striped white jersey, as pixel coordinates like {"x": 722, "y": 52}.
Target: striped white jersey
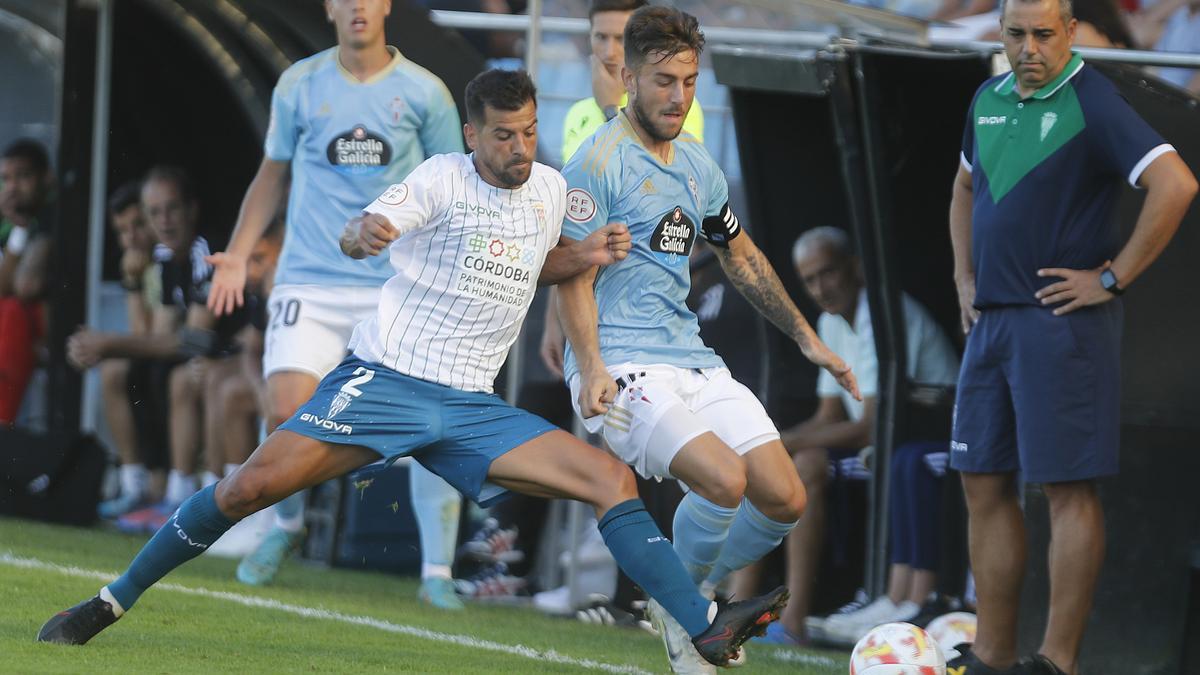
{"x": 466, "y": 267}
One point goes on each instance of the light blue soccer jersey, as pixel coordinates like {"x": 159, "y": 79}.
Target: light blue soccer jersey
{"x": 613, "y": 178}
{"x": 347, "y": 142}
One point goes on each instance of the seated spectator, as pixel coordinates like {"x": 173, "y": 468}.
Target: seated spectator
{"x": 843, "y": 427}
{"x": 25, "y": 221}
{"x": 182, "y": 329}
{"x": 1181, "y": 33}
{"x": 130, "y": 395}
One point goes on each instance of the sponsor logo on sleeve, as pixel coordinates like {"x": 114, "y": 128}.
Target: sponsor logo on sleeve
{"x": 581, "y": 206}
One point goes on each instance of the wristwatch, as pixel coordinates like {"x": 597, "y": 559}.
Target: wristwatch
{"x": 610, "y": 111}
{"x": 1110, "y": 283}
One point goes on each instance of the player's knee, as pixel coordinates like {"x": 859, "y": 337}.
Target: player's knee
{"x": 242, "y": 493}
{"x": 279, "y": 412}
{"x": 724, "y": 486}
{"x": 623, "y": 481}
{"x": 1070, "y": 498}
{"x": 790, "y": 506}
{"x": 986, "y": 493}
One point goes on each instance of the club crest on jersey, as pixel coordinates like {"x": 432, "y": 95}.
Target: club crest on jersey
{"x": 694, "y": 188}
{"x": 539, "y": 209}
{"x": 673, "y": 237}
{"x": 359, "y": 151}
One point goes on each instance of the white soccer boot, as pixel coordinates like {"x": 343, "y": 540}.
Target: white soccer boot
{"x": 684, "y": 658}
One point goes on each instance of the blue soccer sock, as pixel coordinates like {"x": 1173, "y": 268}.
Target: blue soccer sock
{"x": 647, "y": 557}
{"x": 701, "y": 528}
{"x": 194, "y": 527}
{"x": 437, "y": 506}
{"x": 752, "y": 536}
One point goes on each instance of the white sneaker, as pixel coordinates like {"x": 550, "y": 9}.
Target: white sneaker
{"x": 850, "y": 632}
{"x": 814, "y": 626}
{"x": 684, "y": 658}
{"x": 881, "y": 607}
{"x": 556, "y": 602}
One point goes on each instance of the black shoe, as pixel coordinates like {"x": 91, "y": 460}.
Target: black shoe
{"x": 79, "y": 624}
{"x": 1036, "y": 665}
{"x": 966, "y": 663}
{"x": 737, "y": 622}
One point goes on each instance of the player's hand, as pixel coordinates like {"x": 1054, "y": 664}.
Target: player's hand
{"x": 368, "y": 234}
{"x": 606, "y": 87}
{"x": 597, "y": 391}
{"x": 823, "y": 357}
{"x": 1078, "y": 288}
{"x": 607, "y": 245}
{"x": 85, "y": 348}
{"x": 966, "y": 303}
{"x": 552, "y": 347}
{"x": 228, "y": 283}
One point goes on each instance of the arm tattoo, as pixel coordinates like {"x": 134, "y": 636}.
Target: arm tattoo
{"x": 757, "y": 281}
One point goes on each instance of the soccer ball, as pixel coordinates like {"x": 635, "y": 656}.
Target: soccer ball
{"x": 953, "y": 629}
{"x": 897, "y": 649}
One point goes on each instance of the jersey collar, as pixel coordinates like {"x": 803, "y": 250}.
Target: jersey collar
{"x": 397, "y": 58}
{"x": 1008, "y": 86}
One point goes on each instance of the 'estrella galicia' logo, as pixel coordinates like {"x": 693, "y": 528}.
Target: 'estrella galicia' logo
{"x": 359, "y": 151}
{"x": 673, "y": 237}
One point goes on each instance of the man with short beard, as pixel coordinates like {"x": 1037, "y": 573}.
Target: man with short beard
{"x": 636, "y": 365}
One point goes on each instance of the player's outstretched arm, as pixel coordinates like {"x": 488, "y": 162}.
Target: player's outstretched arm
{"x": 368, "y": 234}
{"x": 751, "y": 273}
{"x": 580, "y": 321}
{"x": 607, "y": 245}
{"x": 259, "y": 207}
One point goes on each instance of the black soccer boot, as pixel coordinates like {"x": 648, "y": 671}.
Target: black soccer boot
{"x": 79, "y": 624}
{"x": 737, "y": 622}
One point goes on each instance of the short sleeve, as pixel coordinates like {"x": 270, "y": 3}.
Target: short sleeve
{"x": 282, "y": 132}
{"x": 966, "y": 155}
{"x": 1123, "y": 142}
{"x": 414, "y": 203}
{"x": 441, "y": 129}
{"x": 718, "y": 190}
{"x": 589, "y": 197}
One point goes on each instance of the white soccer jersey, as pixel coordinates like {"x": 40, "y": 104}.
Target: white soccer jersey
{"x": 466, "y": 267}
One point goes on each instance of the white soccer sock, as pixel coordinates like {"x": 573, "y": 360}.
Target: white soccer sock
{"x": 432, "y": 571}
{"x": 289, "y": 513}
{"x": 106, "y": 596}
{"x": 134, "y": 478}
{"x": 179, "y": 487}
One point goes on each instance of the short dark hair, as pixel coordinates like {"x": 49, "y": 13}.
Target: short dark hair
{"x": 125, "y": 196}
{"x": 615, "y": 6}
{"x": 500, "y": 90}
{"x": 661, "y": 30}
{"x": 176, "y": 175}
{"x": 31, "y": 151}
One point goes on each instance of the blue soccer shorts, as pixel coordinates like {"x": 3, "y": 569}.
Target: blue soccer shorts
{"x": 455, "y": 434}
{"x": 1040, "y": 394}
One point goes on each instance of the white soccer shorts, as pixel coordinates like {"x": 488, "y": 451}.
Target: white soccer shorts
{"x": 310, "y": 326}
{"x": 660, "y": 408}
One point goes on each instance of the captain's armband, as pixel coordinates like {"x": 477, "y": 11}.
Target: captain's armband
{"x": 722, "y": 228}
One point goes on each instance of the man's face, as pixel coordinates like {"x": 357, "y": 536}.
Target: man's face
{"x": 172, "y": 219}
{"x": 661, "y": 92}
{"x": 359, "y": 23}
{"x": 608, "y": 39}
{"x": 260, "y": 266}
{"x": 131, "y": 229}
{"x": 830, "y": 279}
{"x": 506, "y": 143}
{"x": 1036, "y": 40}
{"x": 21, "y": 186}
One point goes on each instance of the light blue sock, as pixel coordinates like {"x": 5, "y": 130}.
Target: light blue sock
{"x": 437, "y": 506}
{"x": 752, "y": 536}
{"x": 700, "y": 530}
{"x": 640, "y": 548}
{"x": 194, "y": 527}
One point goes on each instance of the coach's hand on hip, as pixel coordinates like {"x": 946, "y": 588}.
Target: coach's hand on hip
{"x": 368, "y": 234}
{"x": 1078, "y": 288}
